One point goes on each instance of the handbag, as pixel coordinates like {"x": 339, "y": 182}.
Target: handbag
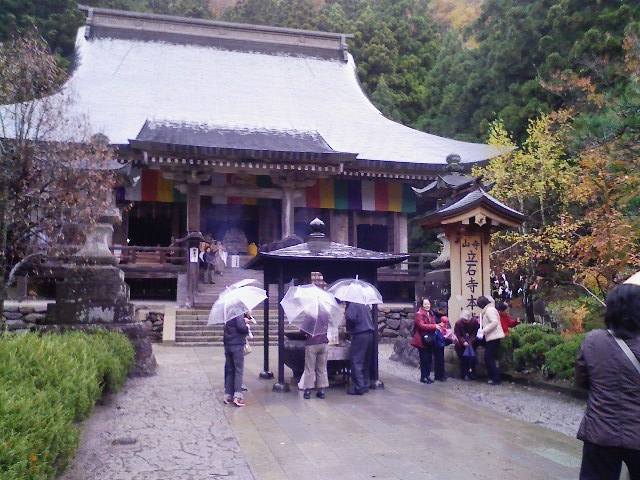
{"x": 427, "y": 339}
{"x": 469, "y": 352}
{"x": 247, "y": 348}
{"x": 480, "y": 333}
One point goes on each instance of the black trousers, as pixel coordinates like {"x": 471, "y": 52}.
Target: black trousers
{"x": 605, "y": 463}
{"x": 490, "y": 352}
{"x": 360, "y": 354}
{"x": 426, "y": 354}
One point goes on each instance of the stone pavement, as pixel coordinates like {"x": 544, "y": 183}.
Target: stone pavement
{"x": 174, "y": 426}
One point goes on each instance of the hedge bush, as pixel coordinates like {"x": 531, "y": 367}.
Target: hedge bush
{"x": 561, "y": 359}
{"x": 526, "y": 345}
{"x": 531, "y": 347}
{"x": 48, "y": 383}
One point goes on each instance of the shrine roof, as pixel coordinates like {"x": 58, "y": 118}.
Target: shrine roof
{"x": 195, "y": 139}
{"x": 318, "y": 253}
{"x": 468, "y": 201}
{"x": 134, "y": 69}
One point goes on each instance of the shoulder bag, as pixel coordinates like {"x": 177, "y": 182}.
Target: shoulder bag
{"x": 427, "y": 339}
{"x": 627, "y": 351}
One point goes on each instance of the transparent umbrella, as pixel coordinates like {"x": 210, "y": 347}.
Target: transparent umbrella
{"x": 355, "y": 290}
{"x": 311, "y": 309}
{"x": 234, "y": 302}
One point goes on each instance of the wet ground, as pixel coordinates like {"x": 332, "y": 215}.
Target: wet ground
{"x": 174, "y": 426}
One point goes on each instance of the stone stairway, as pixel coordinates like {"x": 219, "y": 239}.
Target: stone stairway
{"x": 191, "y": 323}
{"x": 192, "y": 329}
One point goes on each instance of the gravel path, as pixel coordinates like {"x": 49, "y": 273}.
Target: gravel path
{"x": 556, "y": 411}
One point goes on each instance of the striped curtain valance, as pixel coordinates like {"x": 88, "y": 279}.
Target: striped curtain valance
{"x": 378, "y": 196}
{"x": 151, "y": 187}
{"x": 365, "y": 195}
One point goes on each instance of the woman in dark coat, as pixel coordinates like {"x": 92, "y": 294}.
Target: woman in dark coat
{"x": 424, "y": 321}
{"x": 610, "y": 428}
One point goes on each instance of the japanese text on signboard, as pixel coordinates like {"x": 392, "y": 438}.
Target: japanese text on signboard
{"x": 471, "y": 269}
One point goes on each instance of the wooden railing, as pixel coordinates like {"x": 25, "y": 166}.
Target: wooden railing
{"x": 125, "y": 254}
{"x": 416, "y": 265}
{"x": 150, "y": 255}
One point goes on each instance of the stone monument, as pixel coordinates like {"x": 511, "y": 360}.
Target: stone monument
{"x": 93, "y": 293}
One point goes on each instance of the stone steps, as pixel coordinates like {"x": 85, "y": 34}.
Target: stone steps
{"x": 192, "y": 328}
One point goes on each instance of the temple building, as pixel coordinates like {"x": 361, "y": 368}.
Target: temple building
{"x": 246, "y": 133}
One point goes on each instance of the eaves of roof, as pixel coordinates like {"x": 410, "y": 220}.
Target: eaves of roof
{"x": 468, "y": 202}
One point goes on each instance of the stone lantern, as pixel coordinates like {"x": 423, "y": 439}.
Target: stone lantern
{"x": 93, "y": 292}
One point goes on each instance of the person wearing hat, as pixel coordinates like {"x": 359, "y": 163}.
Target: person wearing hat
{"x": 607, "y": 365}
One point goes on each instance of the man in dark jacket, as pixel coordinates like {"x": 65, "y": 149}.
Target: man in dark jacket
{"x": 610, "y": 428}
{"x": 234, "y": 338}
{"x": 359, "y": 323}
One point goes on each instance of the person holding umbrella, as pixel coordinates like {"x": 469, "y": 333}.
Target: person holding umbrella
{"x": 358, "y": 295}
{"x": 312, "y": 309}
{"x": 315, "y": 359}
{"x": 359, "y": 323}
{"x": 234, "y": 338}
{"x": 233, "y": 308}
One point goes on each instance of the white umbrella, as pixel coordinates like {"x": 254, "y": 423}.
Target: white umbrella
{"x": 355, "y": 290}
{"x": 234, "y": 302}
{"x": 311, "y": 309}
{"x": 633, "y": 279}
{"x": 242, "y": 283}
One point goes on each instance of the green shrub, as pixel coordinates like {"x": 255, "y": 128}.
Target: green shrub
{"x": 526, "y": 345}
{"x": 561, "y": 359}
{"x": 48, "y": 382}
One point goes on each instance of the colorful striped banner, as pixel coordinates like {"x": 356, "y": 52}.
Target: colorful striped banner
{"x": 152, "y": 187}
{"x": 372, "y": 196}
{"x": 367, "y": 195}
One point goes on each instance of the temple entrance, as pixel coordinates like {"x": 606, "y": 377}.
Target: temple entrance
{"x": 153, "y": 223}
{"x": 219, "y": 220}
{"x": 373, "y": 237}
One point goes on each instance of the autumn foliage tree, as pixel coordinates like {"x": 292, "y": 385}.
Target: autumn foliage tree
{"x": 577, "y": 178}
{"x": 534, "y": 179}
{"x": 53, "y": 172}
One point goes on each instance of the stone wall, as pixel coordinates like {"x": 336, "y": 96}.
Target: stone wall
{"x": 29, "y": 317}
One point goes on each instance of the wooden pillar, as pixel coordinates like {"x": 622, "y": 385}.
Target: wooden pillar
{"x": 287, "y": 211}
{"x": 339, "y": 225}
{"x": 400, "y": 236}
{"x": 193, "y": 207}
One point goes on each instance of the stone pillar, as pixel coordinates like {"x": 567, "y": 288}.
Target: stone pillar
{"x": 469, "y": 255}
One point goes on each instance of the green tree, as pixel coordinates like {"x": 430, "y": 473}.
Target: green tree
{"x": 57, "y": 21}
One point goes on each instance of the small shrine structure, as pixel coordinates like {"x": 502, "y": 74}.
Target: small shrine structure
{"x": 468, "y": 216}
{"x": 318, "y": 254}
